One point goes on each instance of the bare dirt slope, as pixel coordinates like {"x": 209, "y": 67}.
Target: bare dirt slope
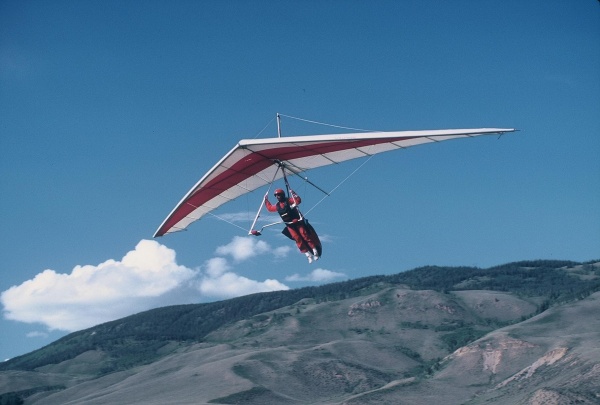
{"x": 551, "y": 359}
{"x": 389, "y": 347}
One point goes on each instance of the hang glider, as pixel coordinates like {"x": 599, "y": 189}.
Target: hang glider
{"x": 254, "y": 163}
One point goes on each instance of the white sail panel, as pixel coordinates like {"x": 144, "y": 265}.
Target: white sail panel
{"x": 254, "y": 163}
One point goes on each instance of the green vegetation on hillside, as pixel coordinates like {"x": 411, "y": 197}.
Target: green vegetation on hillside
{"x": 16, "y": 398}
{"x": 253, "y": 395}
{"x": 144, "y": 337}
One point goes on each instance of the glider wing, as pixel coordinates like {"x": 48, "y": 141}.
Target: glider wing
{"x": 253, "y": 163}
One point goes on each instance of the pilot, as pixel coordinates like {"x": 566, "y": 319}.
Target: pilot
{"x": 286, "y": 208}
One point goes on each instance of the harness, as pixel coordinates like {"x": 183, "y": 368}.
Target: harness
{"x": 286, "y": 212}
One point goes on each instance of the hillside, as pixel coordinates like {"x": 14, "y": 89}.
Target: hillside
{"x": 465, "y": 334}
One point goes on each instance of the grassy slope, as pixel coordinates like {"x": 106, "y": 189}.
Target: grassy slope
{"x": 307, "y": 350}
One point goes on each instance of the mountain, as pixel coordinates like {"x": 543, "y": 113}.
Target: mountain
{"x": 521, "y": 333}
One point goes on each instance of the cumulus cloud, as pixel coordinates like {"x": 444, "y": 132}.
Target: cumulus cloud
{"x": 318, "y": 275}
{"x": 229, "y": 285}
{"x": 37, "y": 334}
{"x": 244, "y": 248}
{"x": 281, "y": 251}
{"x": 144, "y": 278}
{"x": 95, "y": 294}
{"x": 217, "y": 280}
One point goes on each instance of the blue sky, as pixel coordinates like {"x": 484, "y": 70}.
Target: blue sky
{"x": 111, "y": 110}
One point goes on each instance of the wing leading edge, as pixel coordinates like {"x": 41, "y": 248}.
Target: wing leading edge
{"x": 251, "y": 164}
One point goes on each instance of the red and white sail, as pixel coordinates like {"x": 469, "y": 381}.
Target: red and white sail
{"x": 253, "y": 163}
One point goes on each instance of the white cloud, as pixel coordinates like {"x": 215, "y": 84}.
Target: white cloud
{"x": 93, "y": 294}
{"x": 216, "y": 266}
{"x": 318, "y": 275}
{"x": 326, "y": 238}
{"x": 229, "y": 285}
{"x": 36, "y": 334}
{"x": 218, "y": 280}
{"x": 281, "y": 251}
{"x": 244, "y": 248}
{"x": 146, "y": 277}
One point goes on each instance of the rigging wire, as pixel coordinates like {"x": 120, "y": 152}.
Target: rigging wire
{"x": 326, "y": 194}
{"x": 328, "y": 125}
{"x": 224, "y": 220}
{"x": 334, "y": 126}
{"x": 339, "y": 184}
{"x": 263, "y": 130}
